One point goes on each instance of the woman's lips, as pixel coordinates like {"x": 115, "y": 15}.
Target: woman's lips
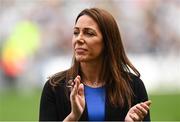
{"x": 80, "y": 50}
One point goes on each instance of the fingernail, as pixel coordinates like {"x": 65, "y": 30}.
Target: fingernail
{"x": 78, "y": 77}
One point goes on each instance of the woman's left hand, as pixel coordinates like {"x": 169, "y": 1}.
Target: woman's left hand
{"x": 138, "y": 112}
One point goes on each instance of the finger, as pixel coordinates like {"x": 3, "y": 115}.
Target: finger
{"x": 148, "y": 102}
{"x": 73, "y": 92}
{"x": 142, "y": 112}
{"x": 78, "y": 80}
{"x": 79, "y": 77}
{"x": 77, "y": 83}
{"x": 134, "y": 117}
{"x": 81, "y": 90}
{"x": 75, "y": 88}
{"x": 139, "y": 112}
{"x": 142, "y": 109}
{"x": 145, "y": 106}
{"x": 71, "y": 85}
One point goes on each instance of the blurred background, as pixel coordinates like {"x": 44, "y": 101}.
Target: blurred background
{"x": 35, "y": 42}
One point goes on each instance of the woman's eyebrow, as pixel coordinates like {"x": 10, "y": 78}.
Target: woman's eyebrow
{"x": 85, "y": 29}
{"x": 76, "y": 27}
{"x": 91, "y": 29}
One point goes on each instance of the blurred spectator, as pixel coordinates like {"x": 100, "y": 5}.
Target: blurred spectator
{"x": 22, "y": 43}
{"x": 148, "y": 27}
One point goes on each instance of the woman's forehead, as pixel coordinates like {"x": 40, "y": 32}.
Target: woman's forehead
{"x": 86, "y": 20}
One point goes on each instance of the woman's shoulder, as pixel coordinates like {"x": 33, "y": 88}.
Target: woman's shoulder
{"x": 135, "y": 81}
{"x": 58, "y": 78}
{"x": 138, "y": 88}
{"x": 134, "y": 78}
{"x": 53, "y": 91}
{"x": 55, "y": 81}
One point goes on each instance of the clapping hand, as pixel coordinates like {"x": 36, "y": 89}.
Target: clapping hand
{"x": 77, "y": 98}
{"x": 138, "y": 112}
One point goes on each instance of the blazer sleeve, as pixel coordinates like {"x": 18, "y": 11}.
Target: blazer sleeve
{"x": 48, "y": 109}
{"x": 140, "y": 94}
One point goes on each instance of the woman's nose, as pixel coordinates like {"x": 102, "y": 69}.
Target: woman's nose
{"x": 80, "y": 38}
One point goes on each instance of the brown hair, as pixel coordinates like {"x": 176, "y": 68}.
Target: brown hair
{"x": 116, "y": 66}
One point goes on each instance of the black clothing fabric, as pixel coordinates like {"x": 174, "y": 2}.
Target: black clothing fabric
{"x": 55, "y": 106}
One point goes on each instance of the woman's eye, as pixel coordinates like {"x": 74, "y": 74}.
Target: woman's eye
{"x": 90, "y": 34}
{"x": 76, "y": 33}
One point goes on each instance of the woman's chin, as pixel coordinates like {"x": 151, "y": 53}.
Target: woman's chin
{"x": 81, "y": 59}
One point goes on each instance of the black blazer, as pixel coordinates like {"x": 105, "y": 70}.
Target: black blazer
{"x": 54, "y": 105}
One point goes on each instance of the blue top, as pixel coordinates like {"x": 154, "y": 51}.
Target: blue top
{"x": 95, "y": 100}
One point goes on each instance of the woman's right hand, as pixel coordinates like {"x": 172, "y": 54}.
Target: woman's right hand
{"x": 77, "y": 100}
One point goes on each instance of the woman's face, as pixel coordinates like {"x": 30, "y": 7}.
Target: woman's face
{"x": 87, "y": 40}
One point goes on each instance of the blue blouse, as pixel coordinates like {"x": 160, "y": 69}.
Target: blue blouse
{"x": 95, "y": 100}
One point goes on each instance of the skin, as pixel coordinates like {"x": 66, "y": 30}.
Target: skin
{"x": 138, "y": 112}
{"x": 87, "y": 40}
{"x": 77, "y": 99}
{"x": 88, "y": 46}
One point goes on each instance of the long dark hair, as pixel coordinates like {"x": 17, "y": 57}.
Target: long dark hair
{"x": 116, "y": 66}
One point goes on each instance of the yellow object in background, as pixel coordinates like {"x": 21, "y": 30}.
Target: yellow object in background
{"x": 23, "y": 42}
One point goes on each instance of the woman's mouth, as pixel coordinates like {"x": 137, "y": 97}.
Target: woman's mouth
{"x": 80, "y": 50}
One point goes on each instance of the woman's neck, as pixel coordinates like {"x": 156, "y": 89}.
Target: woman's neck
{"x": 91, "y": 73}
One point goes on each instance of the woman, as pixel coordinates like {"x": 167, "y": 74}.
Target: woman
{"x": 99, "y": 86}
